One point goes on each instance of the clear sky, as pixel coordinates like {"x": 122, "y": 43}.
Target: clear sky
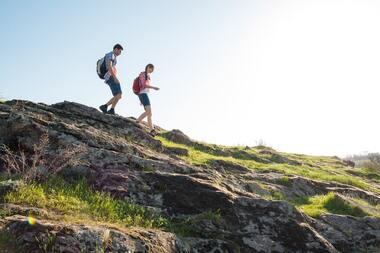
{"x": 303, "y": 76}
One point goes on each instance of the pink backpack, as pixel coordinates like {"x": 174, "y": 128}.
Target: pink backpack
{"x": 136, "y": 87}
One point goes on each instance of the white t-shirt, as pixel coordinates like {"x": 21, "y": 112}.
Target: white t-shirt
{"x": 109, "y": 57}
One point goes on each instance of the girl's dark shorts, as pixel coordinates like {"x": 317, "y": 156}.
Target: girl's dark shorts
{"x": 144, "y": 99}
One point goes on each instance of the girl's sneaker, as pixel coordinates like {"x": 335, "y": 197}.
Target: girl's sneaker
{"x": 111, "y": 111}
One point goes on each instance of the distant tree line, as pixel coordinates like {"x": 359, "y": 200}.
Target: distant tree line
{"x": 370, "y": 161}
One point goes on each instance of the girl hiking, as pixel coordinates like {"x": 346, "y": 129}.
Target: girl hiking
{"x": 144, "y": 87}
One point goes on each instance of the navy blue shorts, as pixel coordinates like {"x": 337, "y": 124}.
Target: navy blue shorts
{"x": 144, "y": 99}
{"x": 115, "y": 87}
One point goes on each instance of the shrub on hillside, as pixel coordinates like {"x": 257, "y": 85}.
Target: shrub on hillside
{"x": 373, "y": 162}
{"x": 40, "y": 163}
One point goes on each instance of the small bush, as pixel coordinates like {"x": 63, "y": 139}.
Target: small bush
{"x": 373, "y": 162}
{"x": 370, "y": 161}
{"x": 285, "y": 181}
{"x": 275, "y": 195}
{"x": 40, "y": 165}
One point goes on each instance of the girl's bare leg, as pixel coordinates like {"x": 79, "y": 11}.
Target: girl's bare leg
{"x": 142, "y": 116}
{"x": 148, "y": 111}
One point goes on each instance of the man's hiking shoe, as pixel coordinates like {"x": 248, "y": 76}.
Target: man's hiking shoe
{"x": 111, "y": 111}
{"x": 103, "y": 108}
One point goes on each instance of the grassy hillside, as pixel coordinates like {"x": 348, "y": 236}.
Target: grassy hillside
{"x": 76, "y": 202}
{"x": 321, "y": 168}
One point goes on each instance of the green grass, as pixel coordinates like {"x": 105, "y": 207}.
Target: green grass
{"x": 78, "y": 201}
{"x": 371, "y": 209}
{"x": 284, "y": 181}
{"x": 329, "y": 203}
{"x": 274, "y": 195}
{"x": 365, "y": 173}
{"x": 4, "y": 213}
{"x": 325, "y": 169}
{"x": 195, "y": 155}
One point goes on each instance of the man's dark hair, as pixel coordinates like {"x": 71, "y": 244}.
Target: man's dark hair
{"x": 118, "y": 46}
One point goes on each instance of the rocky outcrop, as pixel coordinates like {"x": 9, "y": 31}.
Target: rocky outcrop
{"x": 349, "y": 234}
{"x": 178, "y": 137}
{"x": 60, "y": 237}
{"x": 125, "y": 161}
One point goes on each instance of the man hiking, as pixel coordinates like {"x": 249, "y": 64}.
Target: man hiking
{"x": 111, "y": 79}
